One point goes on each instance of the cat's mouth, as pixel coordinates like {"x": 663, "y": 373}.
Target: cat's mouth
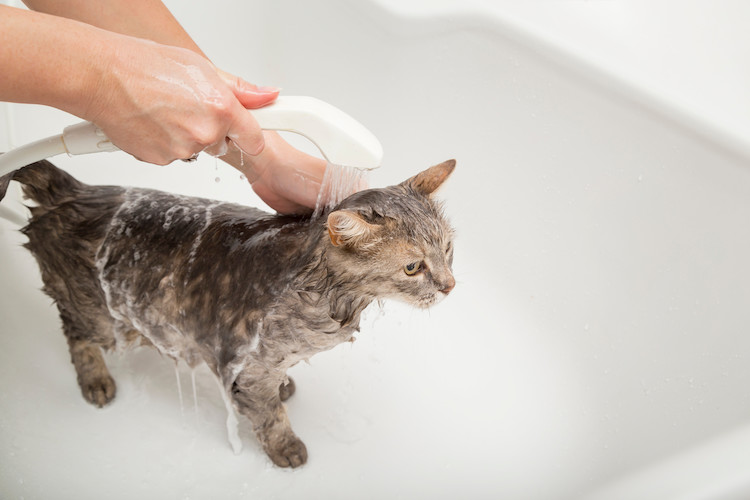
{"x": 430, "y": 300}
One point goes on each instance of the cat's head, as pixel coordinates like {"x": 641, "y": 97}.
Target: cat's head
{"x": 396, "y": 240}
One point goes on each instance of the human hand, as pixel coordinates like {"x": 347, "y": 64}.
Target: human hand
{"x": 161, "y": 103}
{"x": 285, "y": 178}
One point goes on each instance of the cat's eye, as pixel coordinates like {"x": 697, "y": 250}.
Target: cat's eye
{"x": 413, "y": 268}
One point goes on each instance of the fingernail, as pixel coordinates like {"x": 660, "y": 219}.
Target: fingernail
{"x": 268, "y": 90}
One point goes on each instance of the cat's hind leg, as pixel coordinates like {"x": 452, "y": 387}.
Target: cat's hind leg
{"x": 88, "y": 329}
{"x": 64, "y": 243}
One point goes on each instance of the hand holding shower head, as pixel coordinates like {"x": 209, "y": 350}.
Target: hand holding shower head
{"x": 339, "y": 137}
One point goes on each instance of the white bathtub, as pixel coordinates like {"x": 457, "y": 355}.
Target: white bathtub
{"x": 596, "y": 345}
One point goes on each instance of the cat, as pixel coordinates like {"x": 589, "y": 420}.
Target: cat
{"x": 247, "y": 292}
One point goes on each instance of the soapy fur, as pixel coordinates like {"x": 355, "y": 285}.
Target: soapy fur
{"x": 246, "y": 292}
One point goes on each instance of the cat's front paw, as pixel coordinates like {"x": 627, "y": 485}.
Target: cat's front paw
{"x": 290, "y": 452}
{"x": 99, "y": 391}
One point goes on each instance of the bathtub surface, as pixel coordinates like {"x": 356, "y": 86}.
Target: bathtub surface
{"x": 685, "y": 58}
{"x": 596, "y": 344}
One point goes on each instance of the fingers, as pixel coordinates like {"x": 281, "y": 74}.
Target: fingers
{"x": 234, "y": 124}
{"x": 245, "y": 132}
{"x": 249, "y": 95}
{"x": 165, "y": 103}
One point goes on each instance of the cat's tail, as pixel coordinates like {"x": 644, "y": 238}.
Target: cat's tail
{"x": 43, "y": 183}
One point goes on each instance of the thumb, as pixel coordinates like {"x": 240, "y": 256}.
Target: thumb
{"x": 245, "y": 132}
{"x": 250, "y": 96}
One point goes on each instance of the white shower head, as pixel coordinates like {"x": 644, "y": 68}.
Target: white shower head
{"x": 339, "y": 137}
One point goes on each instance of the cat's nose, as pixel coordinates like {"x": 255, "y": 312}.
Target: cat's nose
{"x": 448, "y": 286}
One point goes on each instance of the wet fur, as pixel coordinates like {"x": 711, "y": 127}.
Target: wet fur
{"x": 246, "y": 292}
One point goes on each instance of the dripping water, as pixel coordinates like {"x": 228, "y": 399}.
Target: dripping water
{"x": 216, "y": 169}
{"x": 195, "y": 393}
{"x": 179, "y": 388}
{"x": 338, "y": 182}
{"x": 233, "y": 432}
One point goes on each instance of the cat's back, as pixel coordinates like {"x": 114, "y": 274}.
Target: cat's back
{"x": 76, "y": 223}
{"x": 167, "y": 223}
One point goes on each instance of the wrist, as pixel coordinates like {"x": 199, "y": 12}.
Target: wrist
{"x": 89, "y": 95}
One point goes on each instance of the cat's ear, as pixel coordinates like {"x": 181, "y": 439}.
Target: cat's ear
{"x": 428, "y": 181}
{"x": 349, "y": 229}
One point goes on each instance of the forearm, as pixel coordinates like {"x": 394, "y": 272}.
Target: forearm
{"x": 157, "y": 101}
{"x": 147, "y": 19}
{"x": 50, "y": 60}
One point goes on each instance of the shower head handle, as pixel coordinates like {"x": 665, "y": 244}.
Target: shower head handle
{"x": 339, "y": 137}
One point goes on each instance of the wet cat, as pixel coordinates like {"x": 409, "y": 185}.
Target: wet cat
{"x": 247, "y": 292}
